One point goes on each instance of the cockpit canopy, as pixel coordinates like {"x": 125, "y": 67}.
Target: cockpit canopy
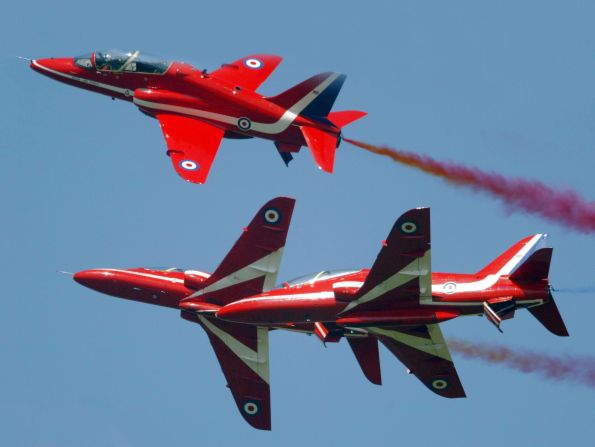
{"x": 165, "y": 269}
{"x": 121, "y": 61}
{"x": 84, "y": 61}
{"x": 319, "y": 276}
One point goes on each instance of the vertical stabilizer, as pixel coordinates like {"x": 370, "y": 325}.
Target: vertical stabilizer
{"x": 535, "y": 267}
{"x": 313, "y": 97}
{"x": 511, "y": 259}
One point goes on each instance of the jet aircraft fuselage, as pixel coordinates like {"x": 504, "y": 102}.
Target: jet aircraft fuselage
{"x": 398, "y": 302}
{"x": 196, "y": 109}
{"x": 319, "y": 297}
{"x": 185, "y": 89}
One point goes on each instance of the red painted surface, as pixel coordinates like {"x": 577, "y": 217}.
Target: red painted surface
{"x": 390, "y": 303}
{"x": 222, "y": 103}
{"x": 300, "y": 304}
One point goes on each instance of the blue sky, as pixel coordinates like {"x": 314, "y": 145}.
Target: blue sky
{"x": 506, "y": 87}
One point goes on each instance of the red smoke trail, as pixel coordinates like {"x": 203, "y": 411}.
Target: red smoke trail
{"x": 578, "y": 369}
{"x": 564, "y": 207}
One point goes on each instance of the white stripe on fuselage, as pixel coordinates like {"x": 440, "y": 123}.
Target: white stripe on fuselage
{"x": 475, "y": 286}
{"x": 146, "y": 275}
{"x": 268, "y": 128}
{"x": 279, "y": 126}
{"x": 197, "y": 272}
{"x": 109, "y": 87}
{"x": 291, "y": 297}
{"x": 490, "y": 280}
{"x": 348, "y": 284}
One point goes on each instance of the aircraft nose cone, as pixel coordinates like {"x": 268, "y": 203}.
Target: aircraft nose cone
{"x": 227, "y": 313}
{"x": 49, "y": 65}
{"x": 93, "y": 279}
{"x": 238, "y": 311}
{"x": 85, "y": 277}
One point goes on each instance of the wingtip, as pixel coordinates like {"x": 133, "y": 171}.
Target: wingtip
{"x": 327, "y": 169}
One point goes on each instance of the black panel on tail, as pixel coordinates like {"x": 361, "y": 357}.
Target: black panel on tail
{"x": 323, "y": 103}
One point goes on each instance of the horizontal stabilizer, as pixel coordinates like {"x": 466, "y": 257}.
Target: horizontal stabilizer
{"x": 345, "y": 117}
{"x": 322, "y": 145}
{"x": 366, "y": 353}
{"x": 549, "y": 316}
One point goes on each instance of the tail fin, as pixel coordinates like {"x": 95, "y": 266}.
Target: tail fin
{"x": 313, "y": 97}
{"x": 535, "y": 267}
{"x": 251, "y": 266}
{"x": 529, "y": 260}
{"x": 513, "y": 258}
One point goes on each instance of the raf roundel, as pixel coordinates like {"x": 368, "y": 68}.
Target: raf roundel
{"x": 251, "y": 408}
{"x": 189, "y": 165}
{"x": 253, "y": 63}
{"x": 272, "y": 216}
{"x": 439, "y": 384}
{"x": 244, "y": 123}
{"x": 449, "y": 287}
{"x": 408, "y": 227}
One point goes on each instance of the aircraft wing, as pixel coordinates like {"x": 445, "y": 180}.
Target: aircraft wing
{"x": 248, "y": 72}
{"x": 402, "y": 271}
{"x": 192, "y": 145}
{"x": 243, "y": 354}
{"x": 423, "y": 350}
{"x": 252, "y": 264}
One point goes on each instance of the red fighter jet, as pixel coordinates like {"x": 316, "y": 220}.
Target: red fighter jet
{"x": 197, "y": 109}
{"x": 399, "y": 302}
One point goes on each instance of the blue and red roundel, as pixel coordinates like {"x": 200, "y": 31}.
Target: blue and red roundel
{"x": 253, "y": 63}
{"x": 189, "y": 165}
